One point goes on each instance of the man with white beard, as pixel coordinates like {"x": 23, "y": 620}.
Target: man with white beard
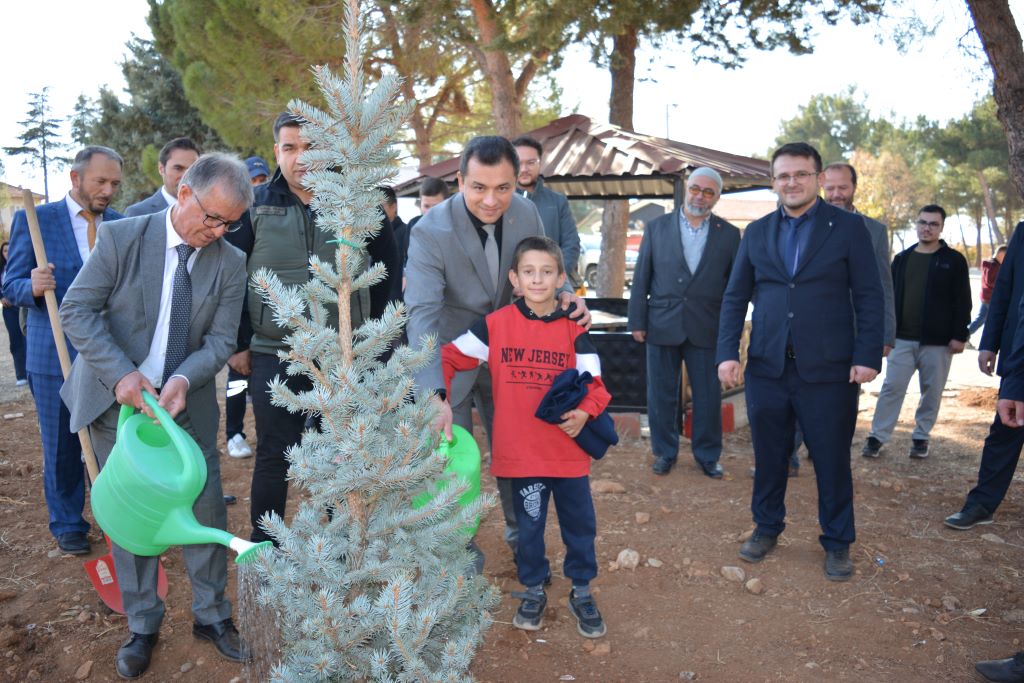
{"x": 684, "y": 265}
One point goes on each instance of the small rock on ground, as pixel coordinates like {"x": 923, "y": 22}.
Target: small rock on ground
{"x": 606, "y": 486}
{"x": 734, "y": 574}
{"x": 755, "y": 586}
{"x": 83, "y": 672}
{"x": 628, "y": 558}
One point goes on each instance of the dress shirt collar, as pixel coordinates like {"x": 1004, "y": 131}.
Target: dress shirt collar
{"x": 173, "y": 238}
{"x": 168, "y": 197}
{"x": 684, "y": 222}
{"x": 74, "y": 208}
{"x": 797, "y": 221}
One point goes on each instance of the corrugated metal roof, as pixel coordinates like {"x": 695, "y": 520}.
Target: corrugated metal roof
{"x": 586, "y": 159}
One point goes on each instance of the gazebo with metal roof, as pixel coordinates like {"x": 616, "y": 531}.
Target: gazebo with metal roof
{"x": 585, "y": 159}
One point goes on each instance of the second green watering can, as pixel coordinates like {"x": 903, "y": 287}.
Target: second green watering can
{"x": 463, "y": 461}
{"x": 144, "y": 494}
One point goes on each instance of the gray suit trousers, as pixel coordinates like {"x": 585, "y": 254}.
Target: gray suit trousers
{"x": 206, "y": 563}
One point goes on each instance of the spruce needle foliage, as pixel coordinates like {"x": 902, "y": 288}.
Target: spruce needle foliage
{"x": 365, "y": 586}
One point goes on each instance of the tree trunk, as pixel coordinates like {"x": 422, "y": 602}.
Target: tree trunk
{"x": 1001, "y": 39}
{"x": 611, "y": 270}
{"x": 505, "y": 103}
{"x": 990, "y": 209}
{"x": 977, "y": 245}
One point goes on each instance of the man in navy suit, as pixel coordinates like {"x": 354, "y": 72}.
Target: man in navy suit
{"x": 69, "y": 229}
{"x": 817, "y": 331}
{"x": 1001, "y": 452}
{"x": 175, "y": 158}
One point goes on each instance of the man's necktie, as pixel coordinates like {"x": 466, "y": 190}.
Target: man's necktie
{"x": 791, "y": 246}
{"x": 181, "y": 311}
{"x": 90, "y": 232}
{"x": 491, "y": 252}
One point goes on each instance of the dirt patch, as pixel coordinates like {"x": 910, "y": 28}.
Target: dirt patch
{"x": 926, "y": 601}
{"x": 978, "y": 397}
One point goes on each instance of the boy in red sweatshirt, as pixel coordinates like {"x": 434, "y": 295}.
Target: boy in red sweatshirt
{"x": 526, "y": 345}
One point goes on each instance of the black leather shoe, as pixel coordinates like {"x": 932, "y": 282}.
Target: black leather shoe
{"x": 662, "y": 466}
{"x": 757, "y": 546}
{"x": 712, "y": 469}
{"x": 74, "y": 543}
{"x": 225, "y": 638}
{"x": 1003, "y": 670}
{"x": 133, "y": 657}
{"x": 968, "y": 518}
{"x": 838, "y": 565}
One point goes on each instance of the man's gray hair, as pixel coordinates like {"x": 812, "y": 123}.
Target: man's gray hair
{"x": 224, "y": 170}
{"x": 83, "y": 158}
{"x": 707, "y": 172}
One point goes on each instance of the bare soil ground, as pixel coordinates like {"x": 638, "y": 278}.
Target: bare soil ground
{"x": 925, "y": 604}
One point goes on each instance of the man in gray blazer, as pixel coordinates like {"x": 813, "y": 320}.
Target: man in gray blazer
{"x": 681, "y": 272}
{"x": 175, "y": 158}
{"x": 552, "y": 206}
{"x": 460, "y": 255}
{"x": 840, "y": 186}
{"x": 156, "y": 308}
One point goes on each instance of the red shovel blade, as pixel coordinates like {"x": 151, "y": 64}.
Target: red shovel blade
{"x": 104, "y": 578}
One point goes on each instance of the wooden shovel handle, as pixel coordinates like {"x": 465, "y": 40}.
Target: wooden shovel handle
{"x": 58, "y": 331}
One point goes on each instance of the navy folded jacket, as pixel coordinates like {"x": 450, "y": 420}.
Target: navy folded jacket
{"x": 565, "y": 394}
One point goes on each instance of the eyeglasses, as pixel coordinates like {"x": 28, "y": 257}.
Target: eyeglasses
{"x": 529, "y": 162}
{"x": 706, "y": 191}
{"x": 799, "y": 176}
{"x": 922, "y": 223}
{"x": 216, "y": 222}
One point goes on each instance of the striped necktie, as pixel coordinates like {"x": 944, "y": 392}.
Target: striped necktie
{"x": 181, "y": 312}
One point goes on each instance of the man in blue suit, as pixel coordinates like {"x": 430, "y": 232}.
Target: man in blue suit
{"x": 817, "y": 331}
{"x": 175, "y": 158}
{"x": 69, "y": 229}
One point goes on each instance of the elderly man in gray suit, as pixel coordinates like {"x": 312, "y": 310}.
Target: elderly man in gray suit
{"x": 460, "y": 255}
{"x": 175, "y": 158}
{"x": 681, "y": 272}
{"x": 156, "y": 308}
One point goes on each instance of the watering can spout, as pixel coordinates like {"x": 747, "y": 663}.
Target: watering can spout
{"x": 247, "y": 550}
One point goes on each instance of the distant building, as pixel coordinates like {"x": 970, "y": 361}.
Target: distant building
{"x": 11, "y": 201}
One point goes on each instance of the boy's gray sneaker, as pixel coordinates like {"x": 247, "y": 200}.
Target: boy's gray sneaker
{"x": 530, "y": 614}
{"x": 919, "y": 449}
{"x": 872, "y": 447}
{"x": 588, "y": 619}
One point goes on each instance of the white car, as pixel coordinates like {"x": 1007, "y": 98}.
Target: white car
{"x": 590, "y": 254}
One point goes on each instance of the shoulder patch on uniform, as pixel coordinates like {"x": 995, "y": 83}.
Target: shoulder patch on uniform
{"x": 271, "y": 210}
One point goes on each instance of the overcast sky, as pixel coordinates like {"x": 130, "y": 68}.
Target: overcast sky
{"x": 736, "y": 111}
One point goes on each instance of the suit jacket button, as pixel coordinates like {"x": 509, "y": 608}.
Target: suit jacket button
{"x": 679, "y": 280}
{"x": 789, "y": 315}
{"x": 792, "y": 286}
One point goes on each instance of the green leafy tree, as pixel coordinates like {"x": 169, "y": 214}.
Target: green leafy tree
{"x": 82, "y": 120}
{"x": 242, "y": 60}
{"x": 372, "y": 589}
{"x": 40, "y": 138}
{"x": 715, "y": 31}
{"x": 156, "y": 111}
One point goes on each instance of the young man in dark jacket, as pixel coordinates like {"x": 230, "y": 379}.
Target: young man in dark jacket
{"x": 933, "y": 306}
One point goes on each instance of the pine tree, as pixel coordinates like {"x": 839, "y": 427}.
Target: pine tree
{"x": 40, "y": 137}
{"x": 363, "y": 586}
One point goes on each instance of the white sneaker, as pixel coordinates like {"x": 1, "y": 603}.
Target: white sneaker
{"x": 21, "y": 383}
{"x": 238, "y": 448}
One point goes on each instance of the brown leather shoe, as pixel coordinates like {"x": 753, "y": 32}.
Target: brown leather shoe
{"x": 225, "y": 638}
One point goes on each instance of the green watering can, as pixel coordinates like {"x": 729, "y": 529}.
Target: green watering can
{"x": 463, "y": 460}
{"x": 143, "y": 496}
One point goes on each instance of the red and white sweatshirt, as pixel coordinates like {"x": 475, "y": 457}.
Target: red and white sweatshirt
{"x": 524, "y": 354}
